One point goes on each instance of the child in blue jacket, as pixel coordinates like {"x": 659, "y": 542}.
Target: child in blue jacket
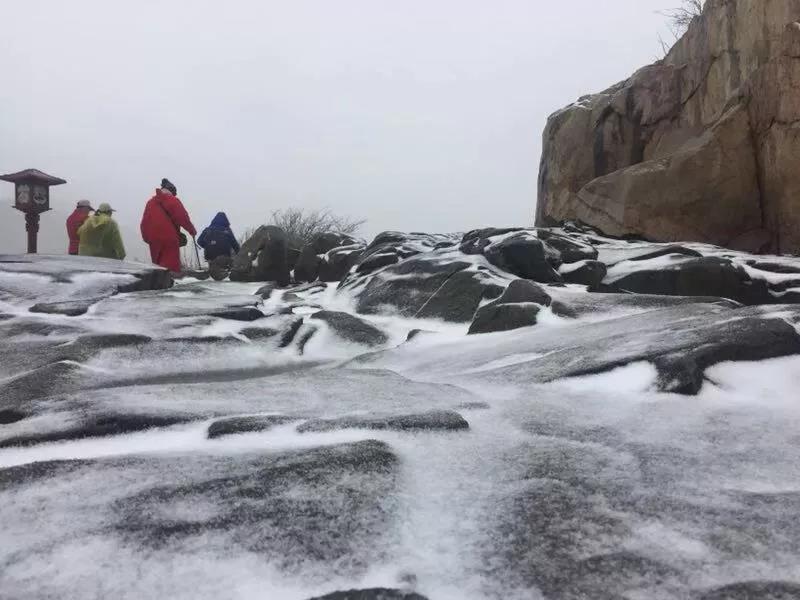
{"x": 217, "y": 239}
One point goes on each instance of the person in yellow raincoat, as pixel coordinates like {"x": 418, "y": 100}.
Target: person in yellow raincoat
{"x": 100, "y": 236}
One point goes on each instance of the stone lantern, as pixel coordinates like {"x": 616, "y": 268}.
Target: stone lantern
{"x": 32, "y": 196}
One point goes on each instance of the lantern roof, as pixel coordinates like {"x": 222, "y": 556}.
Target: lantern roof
{"x": 32, "y": 175}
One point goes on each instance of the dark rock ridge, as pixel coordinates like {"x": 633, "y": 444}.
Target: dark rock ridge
{"x": 352, "y": 328}
{"x": 97, "y": 426}
{"x": 282, "y": 327}
{"x": 69, "y": 308}
{"x": 698, "y": 146}
{"x": 372, "y": 594}
{"x": 750, "y": 590}
{"x": 239, "y": 313}
{"x": 247, "y": 424}
{"x": 445, "y": 420}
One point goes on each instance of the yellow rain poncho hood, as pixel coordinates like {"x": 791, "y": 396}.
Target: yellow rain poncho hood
{"x": 100, "y": 236}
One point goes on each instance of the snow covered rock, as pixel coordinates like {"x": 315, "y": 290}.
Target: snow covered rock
{"x": 95, "y": 426}
{"x": 336, "y": 263}
{"x": 429, "y": 421}
{"x": 521, "y": 253}
{"x": 517, "y": 307}
{"x": 176, "y": 452}
{"x": 570, "y": 249}
{"x": 69, "y": 308}
{"x": 438, "y": 284}
{"x": 523, "y": 290}
{"x": 744, "y": 339}
{"x": 263, "y": 257}
{"x": 675, "y": 275}
{"x": 48, "y": 279}
{"x": 572, "y": 304}
{"x": 460, "y": 295}
{"x": 247, "y": 424}
{"x": 390, "y": 247}
{"x": 351, "y": 328}
{"x": 590, "y": 273}
{"x": 265, "y": 291}
{"x": 309, "y": 262}
{"x": 768, "y": 590}
{"x": 504, "y": 317}
{"x": 238, "y": 313}
{"x": 304, "y": 509}
{"x": 372, "y": 594}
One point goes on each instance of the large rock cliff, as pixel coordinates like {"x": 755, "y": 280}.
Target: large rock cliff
{"x": 704, "y": 145}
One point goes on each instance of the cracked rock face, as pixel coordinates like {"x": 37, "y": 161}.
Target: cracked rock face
{"x": 700, "y": 146}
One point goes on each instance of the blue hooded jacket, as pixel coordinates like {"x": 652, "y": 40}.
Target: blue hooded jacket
{"x": 217, "y": 239}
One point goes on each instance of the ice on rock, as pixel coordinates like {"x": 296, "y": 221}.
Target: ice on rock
{"x": 218, "y": 439}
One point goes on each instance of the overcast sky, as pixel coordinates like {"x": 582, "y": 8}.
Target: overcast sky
{"x": 413, "y": 114}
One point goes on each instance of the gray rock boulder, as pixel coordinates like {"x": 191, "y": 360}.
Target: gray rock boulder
{"x": 504, "y": 317}
{"x": 517, "y": 307}
{"x": 404, "y": 287}
{"x": 745, "y": 340}
{"x": 706, "y": 276}
{"x": 308, "y": 264}
{"x": 263, "y": 257}
{"x": 518, "y": 252}
{"x": 336, "y": 263}
{"x": 590, "y": 273}
{"x": 460, "y": 296}
{"x": 570, "y": 249}
{"x": 352, "y": 328}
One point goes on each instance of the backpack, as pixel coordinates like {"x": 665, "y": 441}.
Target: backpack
{"x": 217, "y": 243}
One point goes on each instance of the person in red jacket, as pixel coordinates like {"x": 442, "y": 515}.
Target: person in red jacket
{"x": 74, "y": 222}
{"x": 163, "y": 218}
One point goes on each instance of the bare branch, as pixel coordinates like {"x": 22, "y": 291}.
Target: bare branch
{"x": 302, "y": 225}
{"x": 681, "y": 17}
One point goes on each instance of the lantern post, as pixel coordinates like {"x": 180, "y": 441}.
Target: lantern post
{"x": 32, "y": 197}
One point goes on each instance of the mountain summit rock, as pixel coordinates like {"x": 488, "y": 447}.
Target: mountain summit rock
{"x": 699, "y": 146}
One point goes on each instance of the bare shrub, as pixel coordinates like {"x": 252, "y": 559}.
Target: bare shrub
{"x": 302, "y": 225}
{"x": 679, "y": 19}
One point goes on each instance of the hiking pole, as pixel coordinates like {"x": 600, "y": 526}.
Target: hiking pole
{"x": 197, "y": 254}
